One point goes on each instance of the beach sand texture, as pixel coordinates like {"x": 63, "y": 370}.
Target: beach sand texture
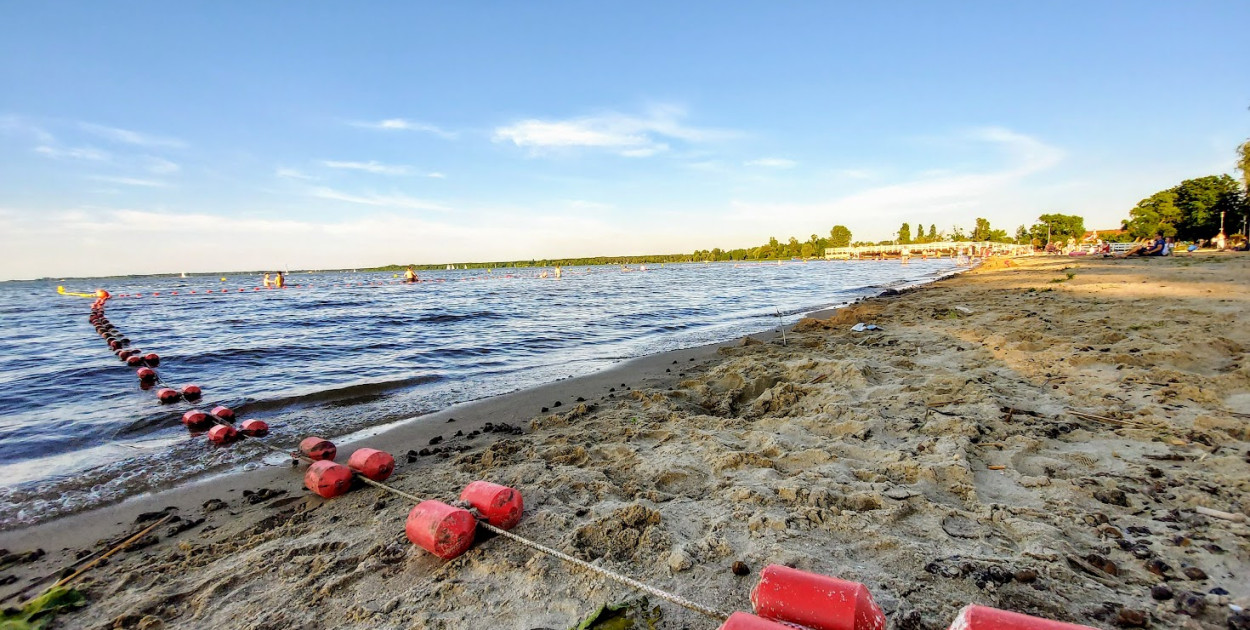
{"x": 936, "y": 461}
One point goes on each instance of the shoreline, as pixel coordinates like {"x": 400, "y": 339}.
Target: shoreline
{"x": 934, "y": 461}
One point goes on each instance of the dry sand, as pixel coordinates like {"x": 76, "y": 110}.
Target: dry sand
{"x": 937, "y": 461}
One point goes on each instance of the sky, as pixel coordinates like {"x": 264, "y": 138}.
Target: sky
{"x": 158, "y": 137}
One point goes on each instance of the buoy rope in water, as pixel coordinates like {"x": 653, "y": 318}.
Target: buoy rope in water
{"x": 533, "y": 545}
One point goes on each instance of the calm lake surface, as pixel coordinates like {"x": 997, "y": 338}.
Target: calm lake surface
{"x": 342, "y": 352}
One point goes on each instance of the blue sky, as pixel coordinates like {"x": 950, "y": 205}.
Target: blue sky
{"x": 146, "y": 137}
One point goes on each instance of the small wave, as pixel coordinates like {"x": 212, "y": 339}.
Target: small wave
{"x": 443, "y": 318}
{"x": 338, "y": 395}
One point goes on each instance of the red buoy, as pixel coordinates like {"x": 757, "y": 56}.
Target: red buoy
{"x": 126, "y": 353}
{"x": 145, "y": 373}
{"x": 328, "y": 479}
{"x": 254, "y": 428}
{"x": 222, "y": 434}
{"x": 440, "y": 529}
{"x": 223, "y": 412}
{"x": 318, "y": 448}
{"x": 195, "y": 419}
{"x": 372, "y": 463}
{"x": 500, "y": 505}
{"x": 815, "y": 601}
{"x": 152, "y": 359}
{"x": 167, "y": 395}
{"x": 146, "y": 385}
{"x": 747, "y": 621}
{"x": 134, "y": 360}
{"x": 115, "y": 344}
{"x": 974, "y": 617}
{"x": 191, "y": 392}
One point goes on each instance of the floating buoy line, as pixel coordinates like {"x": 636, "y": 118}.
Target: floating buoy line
{"x": 783, "y": 599}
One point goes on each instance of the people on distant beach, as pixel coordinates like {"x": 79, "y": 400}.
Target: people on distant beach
{"x": 410, "y": 275}
{"x": 278, "y": 281}
{"x": 1153, "y": 247}
{"x": 267, "y": 281}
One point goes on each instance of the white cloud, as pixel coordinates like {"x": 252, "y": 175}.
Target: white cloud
{"x": 130, "y": 181}
{"x": 369, "y": 167}
{"x": 401, "y": 124}
{"x": 772, "y": 163}
{"x": 957, "y": 195}
{"x": 161, "y": 166}
{"x": 630, "y": 136}
{"x": 436, "y": 175}
{"x": 127, "y": 136}
{"x": 854, "y": 173}
{"x": 291, "y": 173}
{"x": 17, "y": 125}
{"x": 74, "y": 153}
{"x": 374, "y": 199}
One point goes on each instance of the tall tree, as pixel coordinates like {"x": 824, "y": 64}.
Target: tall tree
{"x": 933, "y": 233}
{"x": 1060, "y": 228}
{"x": 919, "y": 237}
{"x": 1243, "y": 165}
{"x": 1201, "y": 201}
{"x": 839, "y": 236}
{"x": 904, "y": 234}
{"x": 1155, "y": 214}
{"x": 982, "y": 231}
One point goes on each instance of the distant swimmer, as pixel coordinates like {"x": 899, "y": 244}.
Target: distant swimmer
{"x": 559, "y": 272}
{"x": 279, "y": 281}
{"x": 267, "y": 281}
{"x": 543, "y": 274}
{"x": 410, "y": 275}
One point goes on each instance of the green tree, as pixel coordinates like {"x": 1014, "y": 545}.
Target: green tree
{"x": 839, "y": 236}
{"x": 1201, "y": 201}
{"x": 1154, "y": 214}
{"x": 1060, "y": 228}
{"x": 1243, "y": 165}
{"x": 982, "y": 231}
{"x": 1022, "y": 235}
{"x": 904, "y": 234}
{"x": 957, "y": 234}
{"x": 933, "y": 233}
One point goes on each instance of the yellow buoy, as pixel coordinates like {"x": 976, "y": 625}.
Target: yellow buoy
{"x": 223, "y": 279}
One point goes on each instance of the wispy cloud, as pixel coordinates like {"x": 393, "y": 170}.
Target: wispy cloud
{"x": 127, "y": 136}
{"x": 369, "y": 167}
{"x": 161, "y": 166}
{"x": 401, "y": 124}
{"x": 130, "y": 181}
{"x": 17, "y": 125}
{"x": 73, "y": 153}
{"x": 291, "y": 173}
{"x": 629, "y": 136}
{"x": 772, "y": 162}
{"x": 374, "y": 199}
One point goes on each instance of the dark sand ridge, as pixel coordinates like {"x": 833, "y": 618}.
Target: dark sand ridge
{"x": 863, "y": 456}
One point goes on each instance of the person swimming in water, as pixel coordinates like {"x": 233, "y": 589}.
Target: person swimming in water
{"x": 410, "y": 275}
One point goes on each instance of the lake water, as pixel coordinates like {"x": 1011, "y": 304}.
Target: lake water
{"x": 345, "y": 351}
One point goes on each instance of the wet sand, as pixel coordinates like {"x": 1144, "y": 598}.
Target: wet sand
{"x": 936, "y": 460}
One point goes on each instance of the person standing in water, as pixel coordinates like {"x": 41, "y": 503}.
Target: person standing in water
{"x": 279, "y": 282}
{"x": 410, "y": 275}
{"x": 267, "y": 281}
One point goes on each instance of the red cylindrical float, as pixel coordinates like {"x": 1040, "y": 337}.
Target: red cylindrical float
{"x": 152, "y": 359}
{"x": 815, "y": 601}
{"x": 146, "y": 374}
{"x": 254, "y": 428}
{"x": 747, "y": 621}
{"x": 195, "y": 419}
{"x": 145, "y": 385}
{"x": 114, "y": 344}
{"x": 191, "y": 392}
{"x": 125, "y": 353}
{"x": 222, "y": 434}
{"x": 328, "y": 479}
{"x": 167, "y": 395}
{"x": 318, "y": 448}
{"x": 501, "y": 505}
{"x": 223, "y": 412}
{"x": 440, "y": 529}
{"x": 372, "y": 463}
{"x": 134, "y": 360}
{"x": 974, "y": 617}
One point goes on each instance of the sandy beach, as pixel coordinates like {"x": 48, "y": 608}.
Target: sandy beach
{"x": 937, "y": 460}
